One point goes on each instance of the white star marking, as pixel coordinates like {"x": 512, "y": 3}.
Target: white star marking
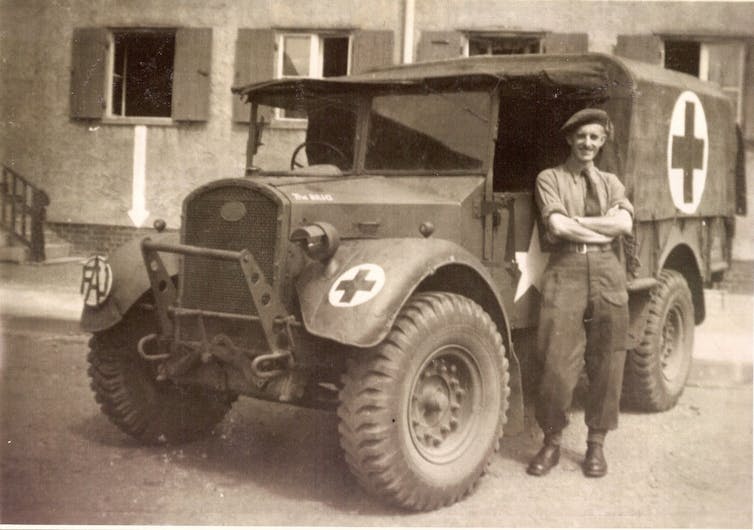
{"x": 532, "y": 264}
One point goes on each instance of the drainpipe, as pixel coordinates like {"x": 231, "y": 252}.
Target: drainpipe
{"x": 408, "y": 31}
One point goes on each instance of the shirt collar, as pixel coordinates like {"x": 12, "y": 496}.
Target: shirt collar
{"x": 575, "y": 167}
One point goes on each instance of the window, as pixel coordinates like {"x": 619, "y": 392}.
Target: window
{"x": 261, "y": 56}
{"x": 330, "y": 132}
{"x": 148, "y": 75}
{"x": 502, "y": 45}
{"x": 721, "y": 62}
{"x": 141, "y": 73}
{"x": 438, "y": 131}
{"x": 683, "y": 56}
{"x": 311, "y": 55}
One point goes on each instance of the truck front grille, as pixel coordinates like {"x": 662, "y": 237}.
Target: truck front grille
{"x": 217, "y": 285}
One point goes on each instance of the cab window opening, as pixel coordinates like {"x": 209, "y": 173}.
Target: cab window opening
{"x": 529, "y": 138}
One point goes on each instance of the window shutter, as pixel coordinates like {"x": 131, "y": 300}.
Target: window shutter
{"x": 255, "y": 62}
{"x": 725, "y": 64}
{"x": 191, "y": 74}
{"x": 371, "y": 49}
{"x": 438, "y": 45}
{"x": 88, "y": 72}
{"x": 647, "y": 48}
{"x": 565, "y": 43}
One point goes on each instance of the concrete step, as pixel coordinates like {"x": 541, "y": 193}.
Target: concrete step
{"x": 14, "y": 254}
{"x": 739, "y": 278}
{"x": 12, "y": 250}
{"x": 21, "y": 254}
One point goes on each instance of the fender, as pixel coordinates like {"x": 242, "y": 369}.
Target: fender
{"x": 683, "y": 252}
{"x": 406, "y": 263}
{"x": 130, "y": 282}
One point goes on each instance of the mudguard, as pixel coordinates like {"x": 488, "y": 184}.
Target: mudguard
{"x": 130, "y": 282}
{"x": 355, "y": 298}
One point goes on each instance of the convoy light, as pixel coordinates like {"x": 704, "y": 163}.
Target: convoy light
{"x": 320, "y": 241}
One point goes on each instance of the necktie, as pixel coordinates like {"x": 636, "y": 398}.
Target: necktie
{"x": 592, "y": 206}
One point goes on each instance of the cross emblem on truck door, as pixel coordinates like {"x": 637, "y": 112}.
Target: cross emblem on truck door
{"x": 357, "y": 285}
{"x": 688, "y": 153}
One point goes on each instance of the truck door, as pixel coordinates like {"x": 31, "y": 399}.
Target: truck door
{"x": 528, "y": 141}
{"x": 518, "y": 261}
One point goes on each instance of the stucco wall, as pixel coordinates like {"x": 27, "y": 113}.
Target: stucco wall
{"x": 86, "y": 167}
{"x": 602, "y": 21}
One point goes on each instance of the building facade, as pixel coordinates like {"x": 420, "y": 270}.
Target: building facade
{"x": 117, "y": 109}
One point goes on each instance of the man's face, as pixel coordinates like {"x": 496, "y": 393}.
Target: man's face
{"x": 586, "y": 141}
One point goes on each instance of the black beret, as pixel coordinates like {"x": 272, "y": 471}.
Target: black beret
{"x": 585, "y": 116}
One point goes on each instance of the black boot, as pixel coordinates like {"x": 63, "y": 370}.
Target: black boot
{"x": 594, "y": 461}
{"x": 545, "y": 460}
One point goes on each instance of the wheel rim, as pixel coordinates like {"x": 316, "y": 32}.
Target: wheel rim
{"x": 672, "y": 344}
{"x": 444, "y": 399}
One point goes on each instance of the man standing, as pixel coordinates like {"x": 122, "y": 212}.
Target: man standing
{"x": 584, "y": 313}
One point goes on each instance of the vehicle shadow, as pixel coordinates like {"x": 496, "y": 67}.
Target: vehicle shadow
{"x": 291, "y": 452}
{"x": 294, "y": 453}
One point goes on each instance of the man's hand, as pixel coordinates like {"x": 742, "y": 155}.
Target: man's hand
{"x": 568, "y": 228}
{"x": 615, "y": 222}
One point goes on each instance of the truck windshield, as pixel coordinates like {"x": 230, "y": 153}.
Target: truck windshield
{"x": 308, "y": 131}
{"x": 439, "y": 131}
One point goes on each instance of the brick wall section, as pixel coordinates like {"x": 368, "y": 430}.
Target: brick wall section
{"x": 96, "y": 238}
{"x": 739, "y": 279}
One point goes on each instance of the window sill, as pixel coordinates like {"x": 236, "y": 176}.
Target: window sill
{"x": 135, "y": 120}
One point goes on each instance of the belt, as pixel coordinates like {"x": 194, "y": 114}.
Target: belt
{"x": 583, "y": 248}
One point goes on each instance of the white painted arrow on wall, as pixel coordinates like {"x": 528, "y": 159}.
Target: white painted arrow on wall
{"x": 138, "y": 212}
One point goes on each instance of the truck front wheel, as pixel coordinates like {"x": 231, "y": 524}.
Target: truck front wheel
{"x": 657, "y": 370}
{"x": 125, "y": 386}
{"x": 422, "y": 413}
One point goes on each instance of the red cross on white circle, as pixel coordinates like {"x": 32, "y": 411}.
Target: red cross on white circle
{"x": 357, "y": 285}
{"x": 688, "y": 150}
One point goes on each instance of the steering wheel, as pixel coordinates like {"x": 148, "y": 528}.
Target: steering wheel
{"x": 295, "y": 164}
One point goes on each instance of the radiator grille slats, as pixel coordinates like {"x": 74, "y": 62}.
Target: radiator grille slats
{"x": 217, "y": 285}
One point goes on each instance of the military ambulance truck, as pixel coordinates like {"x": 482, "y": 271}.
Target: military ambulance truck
{"x": 382, "y": 258}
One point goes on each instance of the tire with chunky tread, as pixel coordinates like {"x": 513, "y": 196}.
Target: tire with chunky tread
{"x": 124, "y": 385}
{"x": 443, "y": 360}
{"x": 657, "y": 370}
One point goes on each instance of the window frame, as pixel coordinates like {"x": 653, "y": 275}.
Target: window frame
{"x": 503, "y": 35}
{"x": 362, "y": 133}
{"x": 108, "y": 116}
{"x": 316, "y": 64}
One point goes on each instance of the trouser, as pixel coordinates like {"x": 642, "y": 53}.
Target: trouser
{"x": 583, "y": 319}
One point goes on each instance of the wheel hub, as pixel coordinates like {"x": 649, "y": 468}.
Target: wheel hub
{"x": 436, "y": 403}
{"x": 670, "y": 346}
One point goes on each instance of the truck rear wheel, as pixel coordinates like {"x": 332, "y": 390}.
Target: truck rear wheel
{"x": 657, "y": 370}
{"x": 125, "y": 386}
{"x": 422, "y": 413}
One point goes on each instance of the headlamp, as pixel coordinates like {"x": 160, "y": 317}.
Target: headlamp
{"x": 320, "y": 241}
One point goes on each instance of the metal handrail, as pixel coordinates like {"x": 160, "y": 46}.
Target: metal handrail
{"x": 23, "y": 209}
